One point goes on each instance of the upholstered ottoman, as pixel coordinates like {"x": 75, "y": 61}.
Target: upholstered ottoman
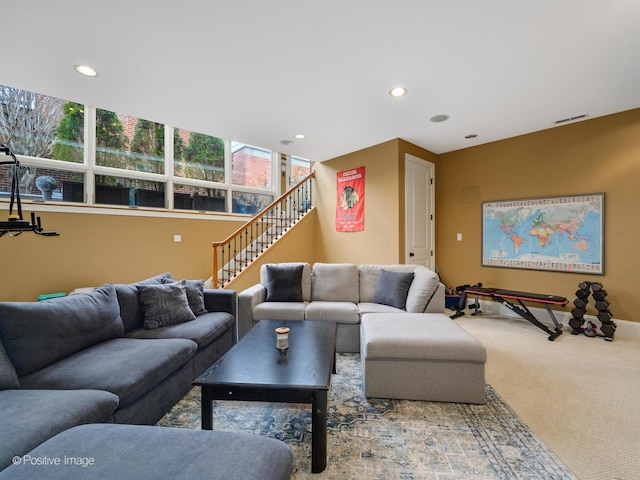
{"x": 421, "y": 356}
{"x": 113, "y": 451}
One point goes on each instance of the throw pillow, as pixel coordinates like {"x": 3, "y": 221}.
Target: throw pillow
{"x": 392, "y": 288}
{"x": 284, "y": 283}
{"x": 164, "y": 304}
{"x": 195, "y": 294}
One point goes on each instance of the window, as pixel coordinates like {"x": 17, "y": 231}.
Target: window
{"x": 300, "y": 168}
{"x": 198, "y": 156}
{"x": 129, "y": 165}
{"x": 129, "y": 143}
{"x": 40, "y": 126}
{"x": 251, "y": 166}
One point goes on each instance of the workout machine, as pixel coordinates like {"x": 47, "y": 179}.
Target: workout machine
{"x": 508, "y": 298}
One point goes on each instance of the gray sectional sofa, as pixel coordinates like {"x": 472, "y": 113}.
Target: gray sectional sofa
{"x": 88, "y": 358}
{"x": 393, "y": 315}
{"x": 343, "y": 292}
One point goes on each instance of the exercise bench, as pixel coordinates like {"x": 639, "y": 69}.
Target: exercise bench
{"x": 508, "y": 298}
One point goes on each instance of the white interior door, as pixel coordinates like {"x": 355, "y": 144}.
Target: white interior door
{"x": 419, "y": 198}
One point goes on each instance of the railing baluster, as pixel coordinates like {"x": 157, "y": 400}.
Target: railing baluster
{"x": 259, "y": 233}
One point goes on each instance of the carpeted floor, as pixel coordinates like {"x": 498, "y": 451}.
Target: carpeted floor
{"x": 391, "y": 439}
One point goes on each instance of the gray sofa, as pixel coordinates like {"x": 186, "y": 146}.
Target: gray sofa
{"x": 342, "y": 292}
{"x": 87, "y": 358}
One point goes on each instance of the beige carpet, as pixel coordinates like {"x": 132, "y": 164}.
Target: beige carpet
{"x": 579, "y": 395}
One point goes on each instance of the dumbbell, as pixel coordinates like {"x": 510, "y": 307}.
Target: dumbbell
{"x": 596, "y": 287}
{"x": 582, "y": 294}
{"x": 601, "y": 305}
{"x": 600, "y": 294}
{"x": 580, "y": 303}
{"x": 584, "y": 285}
{"x": 605, "y": 317}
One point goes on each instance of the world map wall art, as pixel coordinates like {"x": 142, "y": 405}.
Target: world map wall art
{"x": 562, "y": 234}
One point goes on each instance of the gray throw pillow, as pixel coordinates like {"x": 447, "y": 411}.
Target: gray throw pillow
{"x": 195, "y": 294}
{"x": 284, "y": 283}
{"x": 392, "y": 288}
{"x": 8, "y": 377}
{"x": 164, "y": 304}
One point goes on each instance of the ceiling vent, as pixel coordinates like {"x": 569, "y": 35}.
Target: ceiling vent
{"x": 571, "y": 119}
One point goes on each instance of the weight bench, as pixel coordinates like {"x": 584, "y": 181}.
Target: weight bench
{"x": 507, "y": 298}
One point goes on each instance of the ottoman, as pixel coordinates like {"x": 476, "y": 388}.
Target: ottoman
{"x": 421, "y": 356}
{"x": 114, "y": 451}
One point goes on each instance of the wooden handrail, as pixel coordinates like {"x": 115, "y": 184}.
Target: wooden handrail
{"x": 245, "y": 228}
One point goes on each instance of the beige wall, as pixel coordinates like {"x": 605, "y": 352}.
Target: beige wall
{"x": 598, "y": 155}
{"x": 96, "y": 249}
{"x": 382, "y": 240}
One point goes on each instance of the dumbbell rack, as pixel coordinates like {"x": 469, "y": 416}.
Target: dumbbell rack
{"x": 595, "y": 289}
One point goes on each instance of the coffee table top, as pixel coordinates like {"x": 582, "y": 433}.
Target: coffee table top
{"x": 255, "y": 360}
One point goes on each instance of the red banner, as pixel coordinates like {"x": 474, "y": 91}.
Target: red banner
{"x": 350, "y": 200}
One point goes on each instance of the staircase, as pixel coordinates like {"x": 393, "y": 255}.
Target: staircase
{"x": 246, "y": 244}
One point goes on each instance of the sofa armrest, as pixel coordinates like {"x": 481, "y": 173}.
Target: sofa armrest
{"x": 436, "y": 304}
{"x": 247, "y": 300}
{"x": 220, "y": 300}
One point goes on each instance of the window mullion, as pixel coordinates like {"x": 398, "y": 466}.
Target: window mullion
{"x": 90, "y": 154}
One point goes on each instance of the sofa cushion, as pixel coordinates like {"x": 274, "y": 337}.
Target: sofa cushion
{"x": 370, "y": 307}
{"x": 306, "y": 277}
{"x": 335, "y": 282}
{"x": 203, "y": 330}
{"x": 284, "y": 283}
{"x": 423, "y": 288}
{"x": 341, "y": 312}
{"x": 128, "y": 367}
{"x": 8, "y": 376}
{"x": 195, "y": 294}
{"x": 164, "y": 304}
{"x": 37, "y": 334}
{"x": 129, "y": 299}
{"x": 279, "y": 311}
{"x": 29, "y": 417}
{"x": 147, "y": 452}
{"x": 392, "y": 288}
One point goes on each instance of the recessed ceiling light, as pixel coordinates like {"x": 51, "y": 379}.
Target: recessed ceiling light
{"x": 398, "y": 91}
{"x": 86, "y": 70}
{"x": 439, "y": 118}
{"x": 286, "y": 142}
{"x": 301, "y": 136}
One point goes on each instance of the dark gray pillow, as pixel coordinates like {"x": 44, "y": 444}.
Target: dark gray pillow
{"x": 164, "y": 304}
{"x": 392, "y": 288}
{"x": 195, "y": 294}
{"x": 8, "y": 377}
{"x": 284, "y": 283}
{"x": 37, "y": 334}
{"x": 129, "y": 300}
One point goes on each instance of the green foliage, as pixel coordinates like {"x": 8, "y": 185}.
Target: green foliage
{"x": 111, "y": 144}
{"x": 69, "y": 142}
{"x": 148, "y": 146}
{"x": 205, "y": 157}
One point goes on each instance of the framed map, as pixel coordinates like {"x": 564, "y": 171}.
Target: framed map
{"x": 562, "y": 234}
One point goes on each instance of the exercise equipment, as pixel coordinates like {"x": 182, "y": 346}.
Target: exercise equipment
{"x": 461, "y": 292}
{"x": 509, "y": 298}
{"x": 597, "y": 291}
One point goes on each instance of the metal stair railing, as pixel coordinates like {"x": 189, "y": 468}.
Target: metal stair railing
{"x": 243, "y": 247}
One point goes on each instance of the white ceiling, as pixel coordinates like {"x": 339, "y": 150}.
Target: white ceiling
{"x": 261, "y": 71}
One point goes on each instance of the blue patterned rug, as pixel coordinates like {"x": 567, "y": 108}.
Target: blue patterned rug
{"x": 390, "y": 439}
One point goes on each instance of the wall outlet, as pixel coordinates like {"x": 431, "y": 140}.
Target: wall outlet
{"x": 459, "y": 237}
{"x": 177, "y": 238}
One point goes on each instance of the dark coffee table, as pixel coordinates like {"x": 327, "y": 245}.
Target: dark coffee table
{"x": 254, "y": 370}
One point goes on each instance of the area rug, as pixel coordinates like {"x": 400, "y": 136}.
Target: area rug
{"x": 390, "y": 439}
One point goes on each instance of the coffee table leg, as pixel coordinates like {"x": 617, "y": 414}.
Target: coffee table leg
{"x": 319, "y": 431}
{"x": 207, "y": 413}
